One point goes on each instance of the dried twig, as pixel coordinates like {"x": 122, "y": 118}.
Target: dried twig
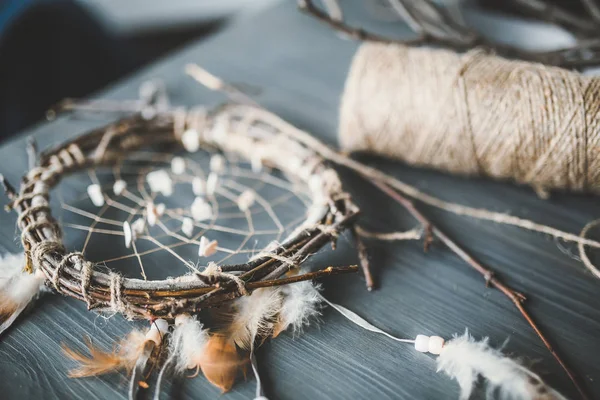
{"x": 363, "y": 257}
{"x": 434, "y": 25}
{"x": 489, "y": 275}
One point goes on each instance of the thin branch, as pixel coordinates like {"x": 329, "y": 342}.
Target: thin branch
{"x": 304, "y": 277}
{"x": 404, "y": 13}
{"x": 456, "y": 37}
{"x": 216, "y": 84}
{"x": 554, "y": 14}
{"x": 8, "y": 188}
{"x": 592, "y": 8}
{"x": 363, "y": 258}
{"x": 334, "y": 9}
{"x": 582, "y": 253}
{"x": 308, "y": 7}
{"x": 32, "y": 152}
{"x": 413, "y": 234}
{"x": 489, "y": 276}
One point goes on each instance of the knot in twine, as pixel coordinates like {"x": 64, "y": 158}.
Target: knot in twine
{"x": 474, "y": 114}
{"x": 38, "y": 251}
{"x": 117, "y": 303}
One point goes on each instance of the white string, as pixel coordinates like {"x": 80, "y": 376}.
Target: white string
{"x": 358, "y": 320}
{"x": 242, "y": 234}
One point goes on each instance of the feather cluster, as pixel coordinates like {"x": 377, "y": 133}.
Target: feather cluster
{"x": 123, "y": 356}
{"x": 188, "y": 343}
{"x": 135, "y": 354}
{"x": 301, "y": 303}
{"x": 220, "y": 356}
{"x": 17, "y": 288}
{"x": 465, "y": 359}
{"x": 221, "y": 362}
{"x": 254, "y": 316}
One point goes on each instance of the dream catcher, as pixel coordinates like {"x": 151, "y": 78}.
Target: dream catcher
{"x": 194, "y": 210}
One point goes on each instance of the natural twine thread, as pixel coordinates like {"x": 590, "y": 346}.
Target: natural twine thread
{"x": 474, "y": 114}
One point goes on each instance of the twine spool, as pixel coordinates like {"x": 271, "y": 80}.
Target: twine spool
{"x": 474, "y": 114}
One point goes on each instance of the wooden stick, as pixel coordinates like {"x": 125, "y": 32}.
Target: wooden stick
{"x": 583, "y": 53}
{"x": 363, "y": 258}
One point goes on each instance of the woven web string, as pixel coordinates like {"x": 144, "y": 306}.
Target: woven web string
{"x": 167, "y": 248}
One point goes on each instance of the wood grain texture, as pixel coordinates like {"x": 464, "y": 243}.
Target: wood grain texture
{"x": 300, "y": 67}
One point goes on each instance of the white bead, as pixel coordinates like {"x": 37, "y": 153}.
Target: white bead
{"x": 137, "y": 227}
{"x": 95, "y": 193}
{"x": 201, "y": 210}
{"x": 148, "y": 112}
{"x": 151, "y": 219}
{"x": 157, "y": 331}
{"x": 246, "y": 200}
{"x": 191, "y": 140}
{"x": 211, "y": 183}
{"x": 422, "y": 343}
{"x": 162, "y": 325}
{"x": 154, "y": 335}
{"x": 127, "y": 233}
{"x": 198, "y": 186}
{"x": 153, "y": 213}
{"x": 436, "y": 344}
{"x": 178, "y": 165}
{"x": 207, "y": 248}
{"x": 220, "y": 129}
{"x": 119, "y": 187}
{"x": 187, "y": 226}
{"x": 160, "y": 182}
{"x": 217, "y": 163}
{"x": 256, "y": 162}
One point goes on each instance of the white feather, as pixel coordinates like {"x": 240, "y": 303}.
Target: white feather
{"x": 465, "y": 359}
{"x": 10, "y": 266}
{"x": 17, "y": 288}
{"x": 254, "y": 316}
{"x": 301, "y": 302}
{"x": 23, "y": 287}
{"x": 187, "y": 344}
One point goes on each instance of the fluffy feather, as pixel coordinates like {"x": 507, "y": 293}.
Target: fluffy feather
{"x": 186, "y": 348}
{"x": 187, "y": 344}
{"x": 17, "y": 288}
{"x": 221, "y": 362}
{"x": 301, "y": 302}
{"x": 124, "y": 356}
{"x": 10, "y": 265}
{"x": 465, "y": 359}
{"x": 254, "y": 316}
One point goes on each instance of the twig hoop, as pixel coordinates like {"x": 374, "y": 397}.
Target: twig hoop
{"x": 230, "y": 129}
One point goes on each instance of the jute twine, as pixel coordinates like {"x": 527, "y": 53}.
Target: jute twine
{"x": 474, "y": 114}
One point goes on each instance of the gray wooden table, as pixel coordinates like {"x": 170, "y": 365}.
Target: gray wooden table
{"x": 300, "y": 67}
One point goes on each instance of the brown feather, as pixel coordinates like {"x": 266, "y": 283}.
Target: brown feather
{"x": 221, "y": 362}
{"x": 279, "y": 327}
{"x": 7, "y": 306}
{"x": 99, "y": 362}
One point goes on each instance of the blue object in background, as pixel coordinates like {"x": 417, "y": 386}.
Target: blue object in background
{"x": 49, "y": 50}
